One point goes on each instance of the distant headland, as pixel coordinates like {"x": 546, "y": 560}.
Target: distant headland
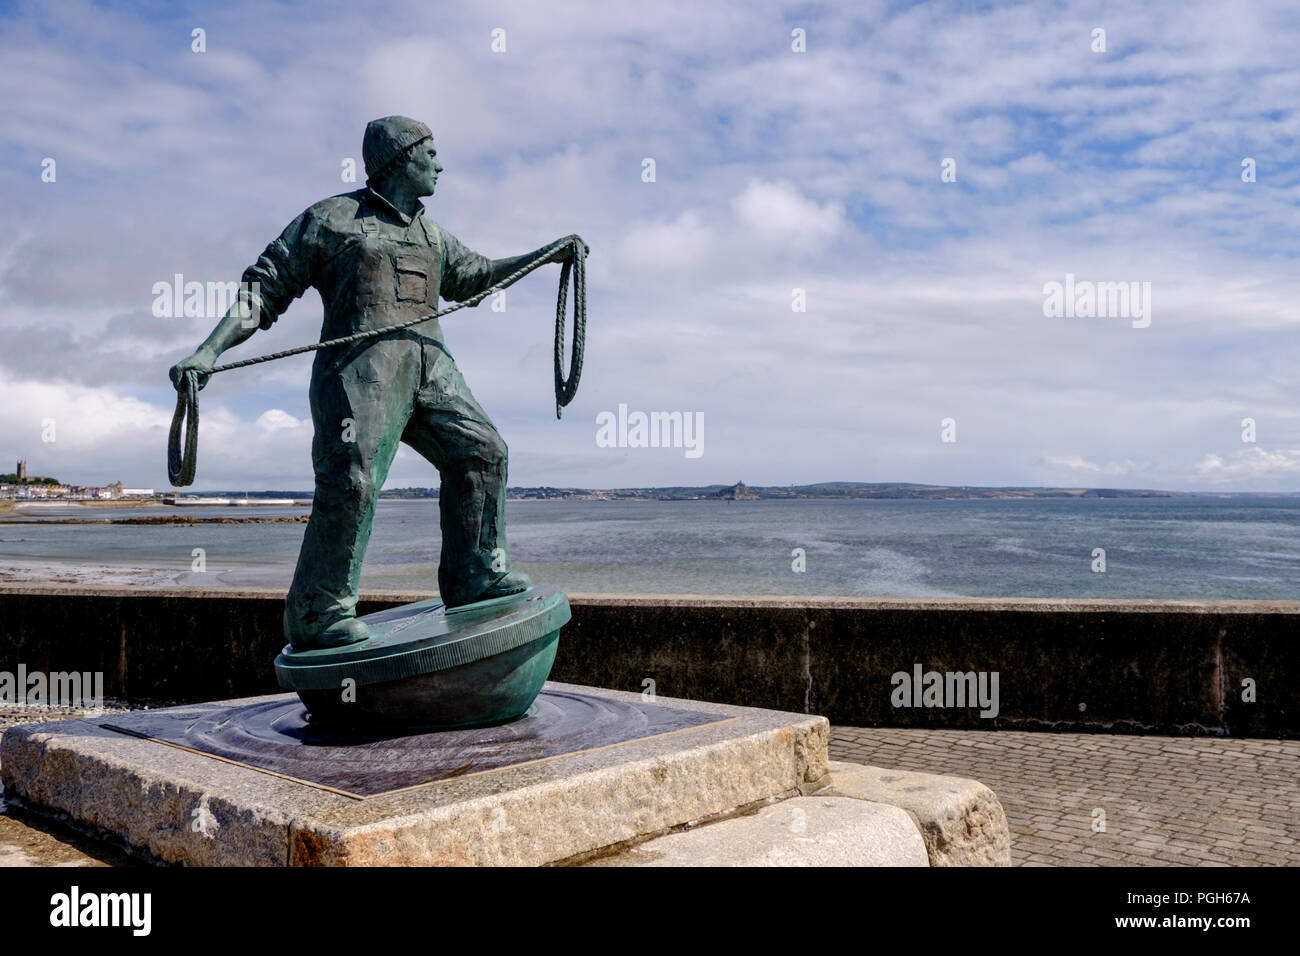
{"x": 47, "y": 489}
{"x": 827, "y": 489}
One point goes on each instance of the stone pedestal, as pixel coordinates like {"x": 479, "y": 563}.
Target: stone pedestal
{"x": 248, "y": 782}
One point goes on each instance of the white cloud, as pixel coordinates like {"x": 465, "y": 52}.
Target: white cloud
{"x": 777, "y": 211}
{"x": 83, "y": 419}
{"x": 275, "y": 419}
{"x": 102, "y": 435}
{"x": 683, "y": 243}
{"x": 1249, "y": 465}
{"x": 1081, "y": 466}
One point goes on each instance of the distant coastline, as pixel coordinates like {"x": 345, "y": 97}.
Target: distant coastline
{"x": 822, "y": 490}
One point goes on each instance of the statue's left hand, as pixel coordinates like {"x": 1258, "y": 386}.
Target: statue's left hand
{"x": 566, "y": 251}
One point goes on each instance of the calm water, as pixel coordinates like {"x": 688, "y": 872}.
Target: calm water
{"x": 1159, "y": 548}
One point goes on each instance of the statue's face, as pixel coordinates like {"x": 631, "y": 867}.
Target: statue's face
{"x": 422, "y": 168}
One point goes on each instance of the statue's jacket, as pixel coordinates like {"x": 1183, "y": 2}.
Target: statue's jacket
{"x": 374, "y": 267}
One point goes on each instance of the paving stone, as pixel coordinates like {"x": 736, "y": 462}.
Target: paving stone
{"x": 961, "y": 820}
{"x": 1235, "y": 798}
{"x": 803, "y": 831}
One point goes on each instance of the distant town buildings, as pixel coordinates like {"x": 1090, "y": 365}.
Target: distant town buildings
{"x": 22, "y": 485}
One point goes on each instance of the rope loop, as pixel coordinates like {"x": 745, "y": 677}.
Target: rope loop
{"x": 575, "y": 265}
{"x": 181, "y": 465}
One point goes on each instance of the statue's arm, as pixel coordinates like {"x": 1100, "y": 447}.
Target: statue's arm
{"x": 466, "y": 274}
{"x": 280, "y": 275}
{"x": 501, "y": 268}
{"x": 235, "y": 326}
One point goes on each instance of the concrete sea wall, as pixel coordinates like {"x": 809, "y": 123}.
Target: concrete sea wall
{"x": 1181, "y": 667}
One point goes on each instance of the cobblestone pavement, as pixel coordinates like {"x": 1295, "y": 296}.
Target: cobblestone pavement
{"x": 1167, "y": 801}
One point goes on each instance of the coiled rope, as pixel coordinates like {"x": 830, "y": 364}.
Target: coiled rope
{"x": 183, "y": 459}
{"x": 566, "y": 388}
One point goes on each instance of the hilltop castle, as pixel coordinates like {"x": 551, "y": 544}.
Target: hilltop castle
{"x": 738, "y": 492}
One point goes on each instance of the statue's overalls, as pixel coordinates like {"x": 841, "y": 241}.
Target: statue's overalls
{"x": 375, "y": 267}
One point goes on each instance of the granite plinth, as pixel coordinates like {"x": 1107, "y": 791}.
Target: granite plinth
{"x": 182, "y": 806}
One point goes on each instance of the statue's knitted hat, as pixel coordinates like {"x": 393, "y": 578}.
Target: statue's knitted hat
{"x": 388, "y": 138}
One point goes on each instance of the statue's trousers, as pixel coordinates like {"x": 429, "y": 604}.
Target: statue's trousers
{"x": 399, "y": 388}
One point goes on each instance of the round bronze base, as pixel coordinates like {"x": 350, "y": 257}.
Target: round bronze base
{"x": 429, "y": 668}
{"x": 494, "y": 690}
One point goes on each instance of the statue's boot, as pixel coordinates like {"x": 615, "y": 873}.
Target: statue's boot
{"x": 507, "y": 583}
{"x": 348, "y": 630}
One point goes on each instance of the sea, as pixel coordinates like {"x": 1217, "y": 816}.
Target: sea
{"x": 1176, "y": 548}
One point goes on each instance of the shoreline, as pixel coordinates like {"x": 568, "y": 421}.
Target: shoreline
{"x": 181, "y": 519}
{"x": 27, "y": 504}
{"x": 55, "y": 572}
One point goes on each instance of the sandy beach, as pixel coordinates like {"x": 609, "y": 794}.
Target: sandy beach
{"x": 51, "y": 572}
{"x": 18, "y": 504}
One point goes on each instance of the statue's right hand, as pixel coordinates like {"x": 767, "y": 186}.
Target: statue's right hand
{"x": 200, "y": 362}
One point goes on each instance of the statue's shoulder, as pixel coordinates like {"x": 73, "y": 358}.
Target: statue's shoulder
{"x": 336, "y": 212}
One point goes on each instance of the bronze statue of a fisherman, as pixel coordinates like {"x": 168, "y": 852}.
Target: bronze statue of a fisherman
{"x": 377, "y": 261}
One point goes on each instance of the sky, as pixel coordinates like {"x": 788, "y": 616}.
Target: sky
{"x": 918, "y": 174}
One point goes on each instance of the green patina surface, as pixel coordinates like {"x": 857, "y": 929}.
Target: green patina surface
{"x": 378, "y": 261}
{"x": 415, "y": 639}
